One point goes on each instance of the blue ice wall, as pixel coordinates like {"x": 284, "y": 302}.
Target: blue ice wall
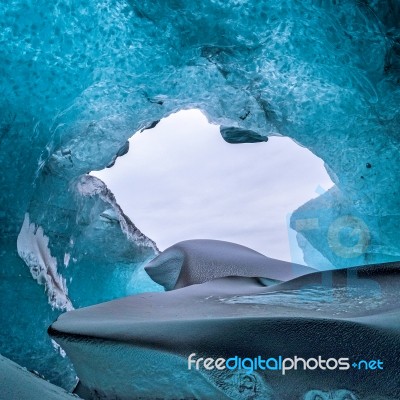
{"x": 78, "y": 78}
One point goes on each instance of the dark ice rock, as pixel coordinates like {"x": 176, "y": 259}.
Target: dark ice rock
{"x": 201, "y": 260}
{"x": 137, "y": 347}
{"x": 235, "y": 135}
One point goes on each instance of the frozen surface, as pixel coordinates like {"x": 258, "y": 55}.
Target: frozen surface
{"x": 197, "y": 261}
{"x": 317, "y": 314}
{"x": 33, "y": 248}
{"x": 83, "y": 253}
{"x": 78, "y": 78}
{"x": 19, "y": 384}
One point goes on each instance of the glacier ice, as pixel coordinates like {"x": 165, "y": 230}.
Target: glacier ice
{"x": 33, "y": 248}
{"x": 17, "y": 384}
{"x": 200, "y": 260}
{"x": 341, "y": 394}
{"x": 147, "y": 338}
{"x": 79, "y": 78}
{"x": 98, "y": 256}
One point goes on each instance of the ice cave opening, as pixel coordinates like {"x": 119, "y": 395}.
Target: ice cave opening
{"x": 181, "y": 180}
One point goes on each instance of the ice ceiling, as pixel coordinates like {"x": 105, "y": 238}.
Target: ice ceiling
{"x": 78, "y": 78}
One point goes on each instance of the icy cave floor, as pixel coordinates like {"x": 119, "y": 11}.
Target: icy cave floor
{"x": 223, "y": 300}
{"x": 17, "y": 383}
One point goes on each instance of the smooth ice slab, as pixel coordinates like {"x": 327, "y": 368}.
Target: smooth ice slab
{"x": 123, "y": 347}
{"x": 197, "y": 261}
{"x": 16, "y": 383}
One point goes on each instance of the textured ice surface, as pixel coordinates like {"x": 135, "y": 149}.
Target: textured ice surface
{"x": 197, "y": 261}
{"x": 19, "y": 384}
{"x": 148, "y": 333}
{"x": 357, "y": 291}
{"x": 342, "y": 394}
{"x": 33, "y": 248}
{"x": 83, "y": 254}
{"x": 78, "y": 78}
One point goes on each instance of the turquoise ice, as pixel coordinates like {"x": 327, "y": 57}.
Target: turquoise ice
{"x": 78, "y": 78}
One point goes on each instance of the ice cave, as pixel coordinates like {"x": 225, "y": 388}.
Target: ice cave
{"x": 78, "y": 80}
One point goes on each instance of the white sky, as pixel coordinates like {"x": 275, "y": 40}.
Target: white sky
{"x": 181, "y": 181}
